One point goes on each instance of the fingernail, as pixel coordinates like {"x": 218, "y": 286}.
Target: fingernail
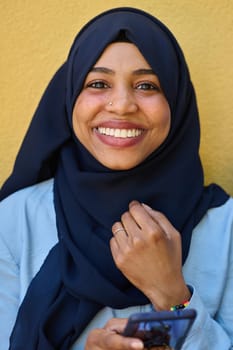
{"x": 146, "y": 206}
{"x": 132, "y": 203}
{"x": 138, "y": 345}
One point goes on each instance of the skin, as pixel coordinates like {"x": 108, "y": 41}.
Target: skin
{"x": 109, "y": 337}
{"x": 123, "y": 76}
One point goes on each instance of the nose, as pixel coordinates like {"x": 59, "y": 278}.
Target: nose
{"x": 122, "y": 102}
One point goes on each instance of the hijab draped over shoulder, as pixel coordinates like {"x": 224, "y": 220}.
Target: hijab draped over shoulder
{"x": 79, "y": 276}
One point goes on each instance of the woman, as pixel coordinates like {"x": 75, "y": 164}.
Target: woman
{"x": 111, "y": 215}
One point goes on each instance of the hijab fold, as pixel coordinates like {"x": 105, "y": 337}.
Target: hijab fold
{"x": 79, "y": 276}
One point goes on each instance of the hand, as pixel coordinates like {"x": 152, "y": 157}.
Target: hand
{"x": 110, "y": 337}
{"x": 147, "y": 250}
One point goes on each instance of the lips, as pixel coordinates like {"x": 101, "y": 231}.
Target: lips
{"x": 119, "y": 132}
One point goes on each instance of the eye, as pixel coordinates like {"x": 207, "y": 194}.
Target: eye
{"x": 99, "y": 84}
{"x": 147, "y": 86}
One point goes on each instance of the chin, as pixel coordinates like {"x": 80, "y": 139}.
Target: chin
{"x": 120, "y": 166}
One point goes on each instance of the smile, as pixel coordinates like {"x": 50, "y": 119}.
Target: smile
{"x": 119, "y": 133}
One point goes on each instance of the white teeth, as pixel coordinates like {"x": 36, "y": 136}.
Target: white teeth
{"x": 122, "y": 133}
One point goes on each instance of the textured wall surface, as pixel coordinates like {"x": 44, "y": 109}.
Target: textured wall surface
{"x": 35, "y": 37}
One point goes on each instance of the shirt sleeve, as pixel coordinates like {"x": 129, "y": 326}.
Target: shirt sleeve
{"x": 208, "y": 333}
{"x": 9, "y": 294}
{"x": 27, "y": 233}
{"x": 209, "y": 272}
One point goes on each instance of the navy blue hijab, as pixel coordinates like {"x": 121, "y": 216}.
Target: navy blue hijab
{"x": 79, "y": 276}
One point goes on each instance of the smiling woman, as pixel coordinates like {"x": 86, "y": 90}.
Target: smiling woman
{"x": 122, "y": 134}
{"x": 111, "y": 215}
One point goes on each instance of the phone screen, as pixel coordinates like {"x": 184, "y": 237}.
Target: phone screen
{"x": 161, "y": 328}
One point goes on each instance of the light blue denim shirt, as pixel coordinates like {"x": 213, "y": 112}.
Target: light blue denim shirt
{"x": 28, "y": 231}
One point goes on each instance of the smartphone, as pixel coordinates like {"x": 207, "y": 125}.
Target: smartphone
{"x": 162, "y": 328}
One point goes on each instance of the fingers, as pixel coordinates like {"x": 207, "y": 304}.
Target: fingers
{"x": 151, "y": 220}
{"x": 144, "y": 215}
{"x": 119, "y": 235}
{"x": 116, "y": 325}
{"x": 145, "y": 238}
{"x": 141, "y": 221}
{"x": 161, "y": 220}
{"x": 105, "y": 339}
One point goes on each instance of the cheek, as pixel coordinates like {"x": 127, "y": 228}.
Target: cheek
{"x": 162, "y": 115}
{"x": 165, "y": 113}
{"x": 167, "y": 118}
{"x": 81, "y": 113}
{"x": 87, "y": 106}
{"x": 78, "y": 118}
{"x": 75, "y": 117}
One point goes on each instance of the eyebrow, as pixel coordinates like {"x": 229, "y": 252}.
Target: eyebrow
{"x": 141, "y": 71}
{"x": 102, "y": 70}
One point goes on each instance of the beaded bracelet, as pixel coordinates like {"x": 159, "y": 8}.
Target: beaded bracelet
{"x": 182, "y": 305}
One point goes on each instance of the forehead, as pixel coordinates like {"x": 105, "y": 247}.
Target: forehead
{"x": 122, "y": 55}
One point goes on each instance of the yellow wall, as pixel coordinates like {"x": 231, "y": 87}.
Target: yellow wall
{"x": 35, "y": 37}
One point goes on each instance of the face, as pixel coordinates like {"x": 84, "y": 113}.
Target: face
{"x": 121, "y": 116}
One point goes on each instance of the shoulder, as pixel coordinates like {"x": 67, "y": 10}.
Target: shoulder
{"x": 209, "y": 265}
{"x": 27, "y": 220}
{"x": 217, "y": 225}
{"x": 29, "y": 195}
{"x": 27, "y": 202}
{"x": 212, "y": 239}
{"x": 219, "y": 218}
